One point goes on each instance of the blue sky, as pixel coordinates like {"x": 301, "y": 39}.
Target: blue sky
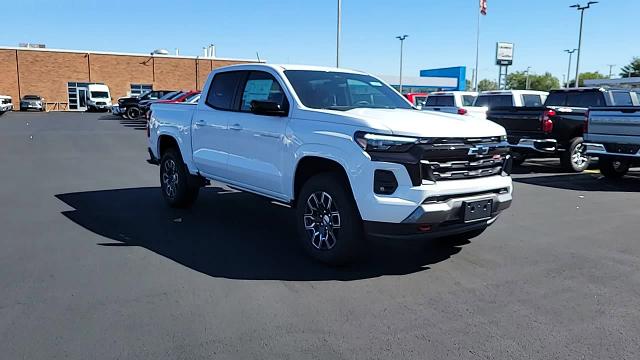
{"x": 441, "y": 32}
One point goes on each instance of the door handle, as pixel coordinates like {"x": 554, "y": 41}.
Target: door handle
{"x": 235, "y": 127}
{"x": 201, "y": 123}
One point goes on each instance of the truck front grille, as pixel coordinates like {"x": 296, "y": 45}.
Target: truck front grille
{"x": 466, "y": 169}
{"x": 457, "y": 159}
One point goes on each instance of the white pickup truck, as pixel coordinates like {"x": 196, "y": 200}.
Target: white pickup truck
{"x": 613, "y": 135}
{"x": 344, "y": 149}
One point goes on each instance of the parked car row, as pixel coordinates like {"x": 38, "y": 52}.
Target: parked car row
{"x": 476, "y": 104}
{"x": 556, "y": 128}
{"x": 139, "y": 106}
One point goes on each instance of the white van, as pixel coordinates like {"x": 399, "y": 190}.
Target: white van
{"x": 98, "y": 97}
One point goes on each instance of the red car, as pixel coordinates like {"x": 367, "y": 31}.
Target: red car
{"x": 184, "y": 96}
{"x": 417, "y": 99}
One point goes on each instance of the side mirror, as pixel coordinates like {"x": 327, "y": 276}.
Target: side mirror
{"x": 269, "y": 108}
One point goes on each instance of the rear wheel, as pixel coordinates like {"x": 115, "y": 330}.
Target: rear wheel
{"x": 614, "y": 168}
{"x": 329, "y": 224}
{"x": 179, "y": 188}
{"x": 574, "y": 158}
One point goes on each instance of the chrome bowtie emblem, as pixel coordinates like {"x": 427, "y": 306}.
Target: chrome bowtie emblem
{"x": 479, "y": 150}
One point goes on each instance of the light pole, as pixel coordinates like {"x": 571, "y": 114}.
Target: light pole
{"x": 338, "y": 33}
{"x": 401, "y": 38}
{"x": 570, "y": 52}
{"x": 581, "y": 9}
{"x": 526, "y": 87}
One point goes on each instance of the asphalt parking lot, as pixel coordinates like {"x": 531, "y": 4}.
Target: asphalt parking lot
{"x": 94, "y": 265}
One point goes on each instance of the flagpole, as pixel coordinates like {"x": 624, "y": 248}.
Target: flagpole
{"x": 475, "y": 85}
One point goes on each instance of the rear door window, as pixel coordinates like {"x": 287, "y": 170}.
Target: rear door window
{"x": 532, "y": 100}
{"x": 223, "y": 89}
{"x": 622, "y": 98}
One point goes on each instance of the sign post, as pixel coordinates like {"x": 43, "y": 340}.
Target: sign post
{"x": 504, "y": 58}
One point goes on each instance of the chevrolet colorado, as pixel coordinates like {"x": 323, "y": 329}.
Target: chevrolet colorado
{"x": 347, "y": 151}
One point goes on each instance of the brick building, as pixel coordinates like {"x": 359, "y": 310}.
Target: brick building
{"x": 56, "y": 74}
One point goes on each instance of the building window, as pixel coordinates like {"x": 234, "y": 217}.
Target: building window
{"x": 139, "y": 89}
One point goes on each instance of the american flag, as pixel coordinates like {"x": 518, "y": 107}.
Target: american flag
{"x": 483, "y": 7}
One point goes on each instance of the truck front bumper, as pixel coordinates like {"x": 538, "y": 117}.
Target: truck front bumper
{"x": 442, "y": 216}
{"x": 6, "y": 107}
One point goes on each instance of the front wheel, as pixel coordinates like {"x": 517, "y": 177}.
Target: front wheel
{"x": 329, "y": 224}
{"x": 574, "y": 158}
{"x": 614, "y": 168}
{"x": 178, "y": 188}
{"x": 133, "y": 113}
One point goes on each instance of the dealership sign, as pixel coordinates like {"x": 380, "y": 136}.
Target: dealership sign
{"x": 504, "y": 53}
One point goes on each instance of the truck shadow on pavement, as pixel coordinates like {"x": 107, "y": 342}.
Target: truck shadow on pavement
{"x": 584, "y": 182}
{"x": 233, "y": 235}
{"x": 136, "y": 124}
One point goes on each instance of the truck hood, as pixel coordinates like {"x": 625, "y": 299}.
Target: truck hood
{"x": 426, "y": 123}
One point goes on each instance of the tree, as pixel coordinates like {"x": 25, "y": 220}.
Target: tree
{"x": 469, "y": 85}
{"x": 518, "y": 81}
{"x": 486, "y": 84}
{"x": 587, "y": 76}
{"x": 632, "y": 69}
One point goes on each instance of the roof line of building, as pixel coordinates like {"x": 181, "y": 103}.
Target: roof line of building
{"x": 126, "y": 54}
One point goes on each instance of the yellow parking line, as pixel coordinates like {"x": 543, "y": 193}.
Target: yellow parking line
{"x": 592, "y": 171}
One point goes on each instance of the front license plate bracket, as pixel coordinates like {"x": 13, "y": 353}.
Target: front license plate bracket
{"x": 477, "y": 210}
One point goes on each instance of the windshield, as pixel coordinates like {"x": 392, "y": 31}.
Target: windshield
{"x": 99, "y": 95}
{"x": 343, "y": 91}
{"x": 31, "y": 97}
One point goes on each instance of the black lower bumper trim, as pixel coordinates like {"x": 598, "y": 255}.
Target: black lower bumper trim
{"x": 403, "y": 231}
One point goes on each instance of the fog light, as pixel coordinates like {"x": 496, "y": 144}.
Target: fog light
{"x": 384, "y": 182}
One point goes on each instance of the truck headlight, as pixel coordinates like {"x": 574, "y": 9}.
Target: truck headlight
{"x": 377, "y": 142}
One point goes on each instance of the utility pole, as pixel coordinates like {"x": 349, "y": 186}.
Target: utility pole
{"x": 338, "y": 33}
{"x": 570, "y": 52}
{"x": 581, "y": 9}
{"x": 611, "y": 70}
{"x": 401, "y": 38}
{"x": 526, "y": 87}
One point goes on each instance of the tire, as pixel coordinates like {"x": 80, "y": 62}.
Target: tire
{"x": 329, "y": 224}
{"x": 573, "y": 159}
{"x": 518, "y": 159}
{"x": 179, "y": 188}
{"x": 133, "y": 113}
{"x": 614, "y": 168}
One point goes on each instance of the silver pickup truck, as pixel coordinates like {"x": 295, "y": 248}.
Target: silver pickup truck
{"x": 613, "y": 135}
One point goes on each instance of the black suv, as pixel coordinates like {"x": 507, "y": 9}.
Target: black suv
{"x": 31, "y": 102}
{"x": 128, "y": 106}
